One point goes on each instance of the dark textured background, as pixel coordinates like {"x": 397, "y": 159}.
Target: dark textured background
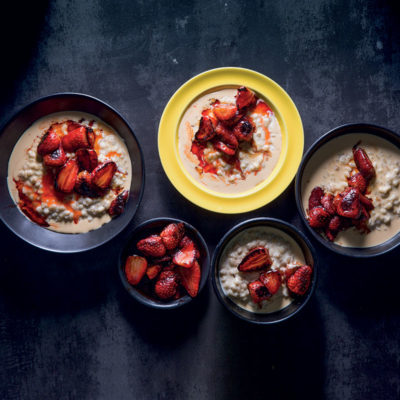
{"x": 67, "y": 328}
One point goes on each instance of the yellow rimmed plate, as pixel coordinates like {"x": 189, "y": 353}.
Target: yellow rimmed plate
{"x": 288, "y": 162}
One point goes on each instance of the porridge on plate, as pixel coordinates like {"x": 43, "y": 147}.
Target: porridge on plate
{"x": 229, "y": 140}
{"x": 371, "y": 192}
{"x": 70, "y": 172}
{"x": 262, "y": 270}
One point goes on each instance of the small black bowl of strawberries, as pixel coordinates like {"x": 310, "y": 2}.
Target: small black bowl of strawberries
{"x": 165, "y": 263}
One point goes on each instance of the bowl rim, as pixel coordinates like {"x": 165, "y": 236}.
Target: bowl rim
{"x": 57, "y": 95}
{"x": 254, "y": 222}
{"x": 134, "y": 293}
{"x": 348, "y": 128}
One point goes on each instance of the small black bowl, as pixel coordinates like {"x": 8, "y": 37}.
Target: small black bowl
{"x": 291, "y": 309}
{"x": 334, "y": 133}
{"x": 154, "y": 226}
{"x": 44, "y": 238}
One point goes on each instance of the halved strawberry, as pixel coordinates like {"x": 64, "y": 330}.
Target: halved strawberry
{"x": 166, "y": 285}
{"x": 117, "y": 206}
{"x": 66, "y": 177}
{"x": 87, "y": 159}
{"x": 224, "y": 111}
{"x": 103, "y": 174}
{"x": 185, "y": 256}
{"x": 152, "y": 246}
{"x": 135, "y": 268}
{"x": 255, "y": 260}
{"x": 50, "y": 142}
{"x": 55, "y": 159}
{"x": 299, "y": 282}
{"x": 187, "y": 241}
{"x": 245, "y": 98}
{"x": 272, "y": 280}
{"x": 244, "y": 129}
{"x": 190, "y": 278}
{"x": 172, "y": 234}
{"x": 206, "y": 129}
{"x": 81, "y": 137}
{"x": 258, "y": 292}
{"x": 152, "y": 271}
{"x": 83, "y": 184}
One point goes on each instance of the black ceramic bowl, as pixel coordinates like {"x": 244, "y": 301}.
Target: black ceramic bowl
{"x": 291, "y": 309}
{"x": 44, "y": 238}
{"x": 154, "y": 226}
{"x": 334, "y": 133}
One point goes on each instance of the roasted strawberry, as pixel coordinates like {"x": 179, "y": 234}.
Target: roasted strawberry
{"x": 315, "y": 198}
{"x": 72, "y": 125}
{"x": 87, "y": 159}
{"x": 186, "y": 241}
{"x": 290, "y": 269}
{"x": 258, "y": 292}
{"x": 66, "y": 177}
{"x": 224, "y": 111}
{"x": 206, "y": 129}
{"x": 244, "y": 129}
{"x": 55, "y": 159}
{"x": 185, "y": 256}
{"x": 190, "y": 278}
{"x": 318, "y": 217}
{"x": 272, "y": 280}
{"x": 299, "y": 282}
{"x": 166, "y": 285}
{"x": 335, "y": 224}
{"x": 117, "y": 206}
{"x": 135, "y": 268}
{"x": 172, "y": 234}
{"x": 50, "y": 142}
{"x": 102, "y": 175}
{"x": 226, "y": 136}
{"x": 363, "y": 163}
{"x": 359, "y": 182}
{"x": 366, "y": 202}
{"x": 245, "y": 98}
{"x": 152, "y": 271}
{"x": 327, "y": 203}
{"x": 83, "y": 184}
{"x": 32, "y": 214}
{"x": 347, "y": 203}
{"x": 221, "y": 146}
{"x": 255, "y": 260}
{"x": 81, "y": 137}
{"x": 152, "y": 246}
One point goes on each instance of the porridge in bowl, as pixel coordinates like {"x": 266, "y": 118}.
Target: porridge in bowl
{"x": 70, "y": 172}
{"x": 229, "y": 140}
{"x": 262, "y": 269}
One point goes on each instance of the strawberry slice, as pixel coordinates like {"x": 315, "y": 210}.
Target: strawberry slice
{"x": 152, "y": 271}
{"x": 271, "y": 280}
{"x": 67, "y": 176}
{"x": 167, "y": 285}
{"x": 135, "y": 268}
{"x": 172, "y": 234}
{"x": 83, "y": 184}
{"x": 224, "y": 111}
{"x": 299, "y": 282}
{"x": 186, "y": 256}
{"x": 152, "y": 246}
{"x": 187, "y": 241}
{"x": 81, "y": 137}
{"x": 255, "y": 260}
{"x": 103, "y": 174}
{"x": 117, "y": 206}
{"x": 190, "y": 278}
{"x": 245, "y": 98}
{"x": 258, "y": 292}
{"x": 55, "y": 159}
{"x": 87, "y": 159}
{"x": 50, "y": 142}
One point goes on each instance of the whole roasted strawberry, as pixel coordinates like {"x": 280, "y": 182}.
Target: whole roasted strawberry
{"x": 152, "y": 246}
{"x": 363, "y": 163}
{"x": 172, "y": 234}
{"x": 299, "y": 282}
{"x": 166, "y": 285}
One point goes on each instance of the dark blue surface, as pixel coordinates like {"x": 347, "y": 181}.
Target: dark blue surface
{"x": 67, "y": 328}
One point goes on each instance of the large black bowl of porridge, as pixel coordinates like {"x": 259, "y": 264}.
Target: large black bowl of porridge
{"x": 73, "y": 223}
{"x": 287, "y": 247}
{"x": 329, "y": 164}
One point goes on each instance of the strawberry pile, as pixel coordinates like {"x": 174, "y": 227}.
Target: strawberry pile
{"x": 225, "y": 126}
{"x": 80, "y": 172}
{"x": 297, "y": 277}
{"x": 331, "y": 214}
{"x": 168, "y": 264}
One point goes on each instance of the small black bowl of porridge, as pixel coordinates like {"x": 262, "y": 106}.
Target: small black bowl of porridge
{"x": 264, "y": 270}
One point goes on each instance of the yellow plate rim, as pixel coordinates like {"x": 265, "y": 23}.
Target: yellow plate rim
{"x": 292, "y": 141}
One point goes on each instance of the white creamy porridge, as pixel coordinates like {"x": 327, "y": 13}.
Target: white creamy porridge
{"x": 256, "y": 159}
{"x": 283, "y": 251}
{"x": 69, "y": 213}
{"x": 330, "y": 167}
